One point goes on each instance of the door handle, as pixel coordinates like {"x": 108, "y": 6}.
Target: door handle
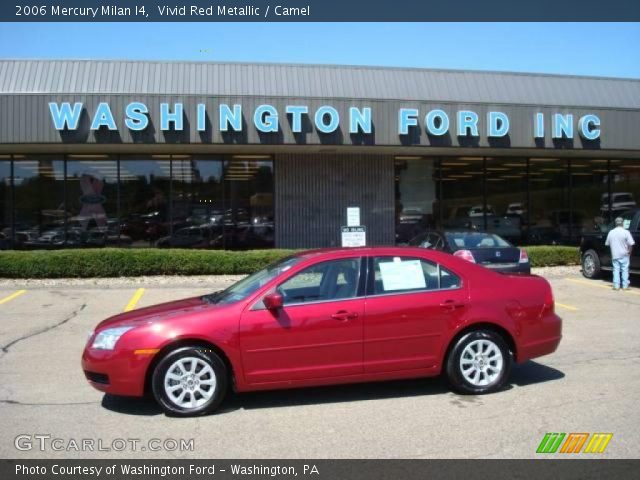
{"x": 451, "y": 304}
{"x": 343, "y": 315}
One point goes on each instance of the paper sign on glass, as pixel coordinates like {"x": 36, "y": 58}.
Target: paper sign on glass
{"x": 353, "y": 216}
{"x": 406, "y": 275}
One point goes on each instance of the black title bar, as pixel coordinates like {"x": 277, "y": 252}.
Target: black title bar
{"x": 316, "y": 469}
{"x": 318, "y": 11}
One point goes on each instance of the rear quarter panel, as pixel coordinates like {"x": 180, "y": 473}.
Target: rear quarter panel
{"x": 533, "y": 324}
{"x": 514, "y": 303}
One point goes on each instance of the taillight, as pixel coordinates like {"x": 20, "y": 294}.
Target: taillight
{"x": 549, "y": 303}
{"x": 524, "y": 258}
{"x": 465, "y": 255}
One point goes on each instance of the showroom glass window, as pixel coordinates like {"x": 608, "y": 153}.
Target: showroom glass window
{"x": 221, "y": 202}
{"x": 5, "y": 202}
{"x": 415, "y": 196}
{"x": 92, "y": 200}
{"x": 550, "y": 214}
{"x": 197, "y": 202}
{"x": 624, "y": 186}
{"x": 145, "y": 192}
{"x": 589, "y": 200}
{"x": 462, "y": 192}
{"x": 248, "y": 202}
{"x": 506, "y": 204}
{"x": 40, "y": 213}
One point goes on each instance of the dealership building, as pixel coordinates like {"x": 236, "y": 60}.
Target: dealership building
{"x": 238, "y": 155}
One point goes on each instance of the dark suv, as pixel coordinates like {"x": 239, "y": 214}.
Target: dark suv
{"x": 596, "y": 256}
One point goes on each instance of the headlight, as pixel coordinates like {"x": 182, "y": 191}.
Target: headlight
{"x": 106, "y": 339}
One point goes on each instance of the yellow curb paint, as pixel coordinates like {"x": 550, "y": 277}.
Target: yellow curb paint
{"x": 568, "y": 307}
{"x": 598, "y": 285}
{"x": 134, "y": 300}
{"x": 12, "y": 296}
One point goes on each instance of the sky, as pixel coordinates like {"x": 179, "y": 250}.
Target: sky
{"x": 599, "y": 49}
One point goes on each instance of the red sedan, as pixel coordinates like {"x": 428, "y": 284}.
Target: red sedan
{"x": 328, "y": 317}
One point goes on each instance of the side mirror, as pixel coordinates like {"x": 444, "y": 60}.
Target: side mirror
{"x": 273, "y": 301}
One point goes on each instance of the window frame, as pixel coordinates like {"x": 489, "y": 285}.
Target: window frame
{"x": 370, "y": 292}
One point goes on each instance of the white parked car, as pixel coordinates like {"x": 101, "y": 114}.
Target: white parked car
{"x": 515, "y": 209}
{"x": 619, "y": 201}
{"x": 479, "y": 211}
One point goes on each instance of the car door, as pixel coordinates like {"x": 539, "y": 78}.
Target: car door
{"x": 635, "y": 233}
{"x": 317, "y": 333}
{"x": 410, "y": 302}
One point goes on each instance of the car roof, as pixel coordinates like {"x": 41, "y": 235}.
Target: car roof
{"x": 465, "y": 232}
{"x": 458, "y": 265}
{"x": 363, "y": 251}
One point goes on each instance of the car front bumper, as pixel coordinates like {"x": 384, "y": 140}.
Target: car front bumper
{"x": 116, "y": 372}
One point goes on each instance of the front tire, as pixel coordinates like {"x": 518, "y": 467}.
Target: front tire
{"x": 190, "y": 381}
{"x": 591, "y": 267}
{"x": 479, "y": 363}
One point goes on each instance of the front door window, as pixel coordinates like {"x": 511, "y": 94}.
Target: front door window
{"x": 334, "y": 280}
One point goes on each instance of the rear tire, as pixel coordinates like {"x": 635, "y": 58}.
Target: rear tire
{"x": 479, "y": 363}
{"x": 591, "y": 267}
{"x": 190, "y": 381}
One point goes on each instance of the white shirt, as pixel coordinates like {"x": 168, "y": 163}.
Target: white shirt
{"x": 620, "y": 241}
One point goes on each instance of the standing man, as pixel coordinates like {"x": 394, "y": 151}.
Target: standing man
{"x": 621, "y": 243}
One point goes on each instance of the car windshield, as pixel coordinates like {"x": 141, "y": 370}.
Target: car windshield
{"x": 245, "y": 287}
{"x": 418, "y": 239}
{"x": 626, "y": 216}
{"x": 475, "y": 240}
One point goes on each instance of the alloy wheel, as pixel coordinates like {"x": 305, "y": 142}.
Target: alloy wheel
{"x": 588, "y": 264}
{"x": 190, "y": 382}
{"x": 481, "y": 362}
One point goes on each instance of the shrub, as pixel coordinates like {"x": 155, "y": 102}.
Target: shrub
{"x": 125, "y": 262}
{"x": 115, "y": 262}
{"x": 550, "y": 256}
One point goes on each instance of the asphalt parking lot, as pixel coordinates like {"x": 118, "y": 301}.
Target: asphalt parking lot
{"x": 591, "y": 384}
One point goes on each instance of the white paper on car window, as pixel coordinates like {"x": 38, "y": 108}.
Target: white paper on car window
{"x": 626, "y": 224}
{"x": 405, "y": 275}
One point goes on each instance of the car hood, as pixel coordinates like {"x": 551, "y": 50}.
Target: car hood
{"x": 156, "y": 313}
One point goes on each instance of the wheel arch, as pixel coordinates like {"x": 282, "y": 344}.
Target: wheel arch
{"x": 481, "y": 325}
{"x": 188, "y": 342}
{"x": 585, "y": 244}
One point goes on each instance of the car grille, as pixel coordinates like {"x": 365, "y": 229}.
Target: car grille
{"x": 97, "y": 377}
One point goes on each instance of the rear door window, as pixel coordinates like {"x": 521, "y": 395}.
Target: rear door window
{"x": 408, "y": 274}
